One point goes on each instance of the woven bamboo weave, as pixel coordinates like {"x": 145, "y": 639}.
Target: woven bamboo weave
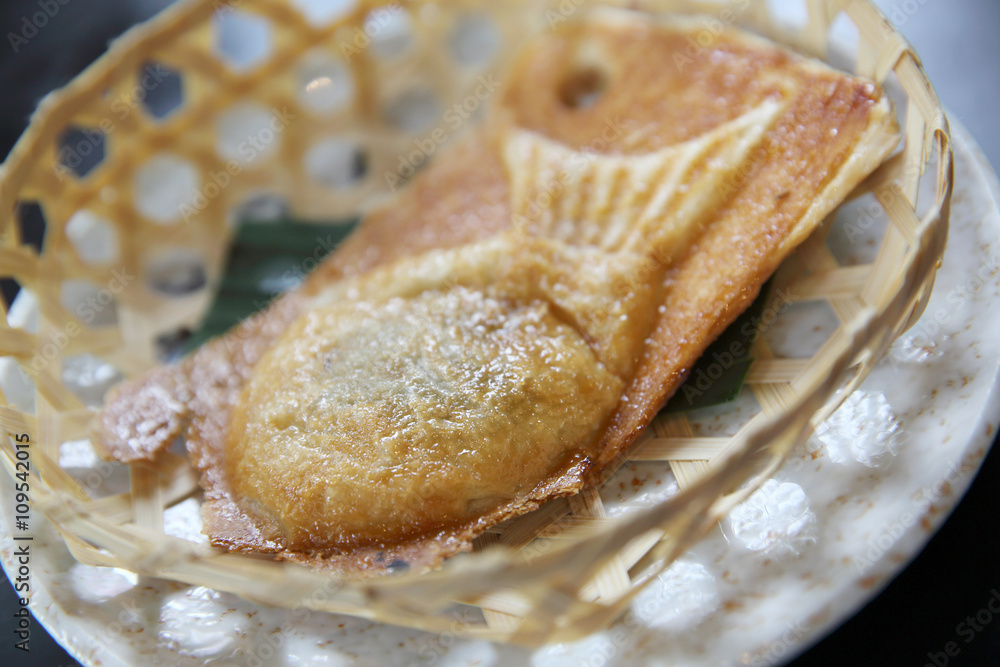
{"x": 556, "y": 574}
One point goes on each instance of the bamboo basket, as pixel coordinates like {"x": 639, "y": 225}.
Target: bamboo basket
{"x": 556, "y": 574}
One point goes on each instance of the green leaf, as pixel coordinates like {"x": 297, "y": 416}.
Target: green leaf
{"x": 268, "y": 258}
{"x": 718, "y": 376}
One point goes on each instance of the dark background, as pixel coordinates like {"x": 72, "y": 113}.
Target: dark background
{"x": 917, "y": 614}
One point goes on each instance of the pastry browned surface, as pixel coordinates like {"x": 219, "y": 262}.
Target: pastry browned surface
{"x": 619, "y": 238}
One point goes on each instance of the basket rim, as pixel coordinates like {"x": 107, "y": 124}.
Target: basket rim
{"x": 482, "y": 572}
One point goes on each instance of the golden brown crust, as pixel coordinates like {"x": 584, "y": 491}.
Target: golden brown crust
{"x": 142, "y": 417}
{"x": 828, "y": 132}
{"x": 385, "y": 418}
{"x": 723, "y": 274}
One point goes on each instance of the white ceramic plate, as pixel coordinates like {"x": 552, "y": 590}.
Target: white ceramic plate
{"x": 839, "y": 520}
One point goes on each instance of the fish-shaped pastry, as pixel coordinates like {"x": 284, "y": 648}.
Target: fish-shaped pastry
{"x": 503, "y": 329}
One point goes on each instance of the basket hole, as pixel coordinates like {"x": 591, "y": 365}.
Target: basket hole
{"x": 894, "y": 87}
{"x": 94, "y": 585}
{"x": 22, "y": 306}
{"x": 22, "y": 313}
{"x": 476, "y": 40}
{"x": 636, "y": 486}
{"x": 93, "y": 305}
{"x": 99, "y": 479}
{"x": 10, "y": 289}
{"x": 789, "y": 13}
{"x": 800, "y": 329}
{"x": 77, "y": 456}
{"x": 89, "y": 378}
{"x": 583, "y": 88}
{"x": 31, "y": 223}
{"x": 325, "y": 84}
{"x": 249, "y": 134}
{"x": 857, "y": 231}
{"x": 171, "y": 346}
{"x": 681, "y": 598}
{"x": 161, "y": 90}
{"x": 243, "y": 40}
{"x": 17, "y": 386}
{"x": 177, "y": 272}
{"x": 337, "y": 163}
{"x": 261, "y": 207}
{"x": 81, "y": 150}
{"x": 183, "y": 521}
{"x": 845, "y": 39}
{"x": 324, "y": 12}
{"x": 927, "y": 192}
{"x": 94, "y": 239}
{"x": 275, "y": 276}
{"x": 413, "y": 111}
{"x": 165, "y": 188}
{"x": 391, "y": 32}
{"x": 725, "y": 421}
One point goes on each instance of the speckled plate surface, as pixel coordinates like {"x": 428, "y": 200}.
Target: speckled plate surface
{"x": 843, "y": 515}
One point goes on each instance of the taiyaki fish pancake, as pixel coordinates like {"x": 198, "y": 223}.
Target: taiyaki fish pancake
{"x": 501, "y": 330}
